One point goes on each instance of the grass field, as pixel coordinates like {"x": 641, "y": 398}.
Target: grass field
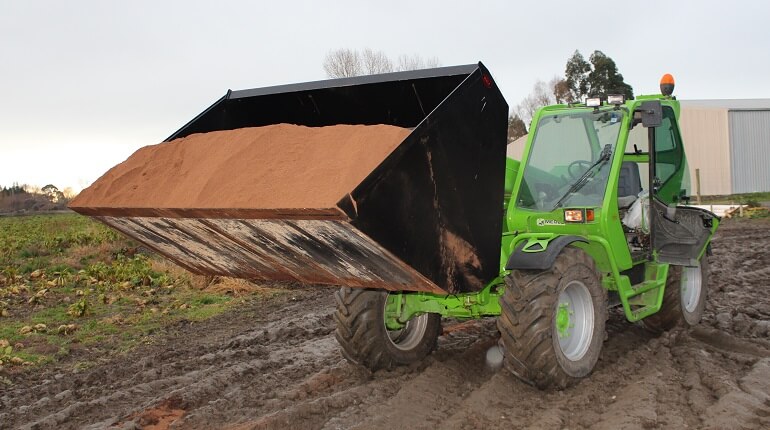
{"x": 752, "y": 199}
{"x": 70, "y": 283}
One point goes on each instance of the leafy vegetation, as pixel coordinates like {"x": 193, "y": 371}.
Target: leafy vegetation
{"x": 753, "y": 201}
{"x": 750, "y": 199}
{"x": 67, "y": 282}
{"x": 596, "y": 77}
{"x": 757, "y": 212}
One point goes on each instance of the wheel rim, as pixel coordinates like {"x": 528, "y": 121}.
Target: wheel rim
{"x": 410, "y": 335}
{"x": 690, "y": 288}
{"x": 574, "y": 321}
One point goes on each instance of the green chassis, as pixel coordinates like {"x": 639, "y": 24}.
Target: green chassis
{"x": 605, "y": 240}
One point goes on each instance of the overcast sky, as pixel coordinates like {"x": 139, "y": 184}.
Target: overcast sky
{"x": 83, "y": 84}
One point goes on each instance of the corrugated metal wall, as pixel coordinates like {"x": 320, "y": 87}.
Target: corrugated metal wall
{"x": 750, "y": 150}
{"x": 706, "y": 137}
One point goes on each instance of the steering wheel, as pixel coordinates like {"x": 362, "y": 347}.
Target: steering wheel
{"x": 576, "y": 163}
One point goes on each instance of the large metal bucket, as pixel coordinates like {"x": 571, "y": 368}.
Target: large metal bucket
{"x": 427, "y": 218}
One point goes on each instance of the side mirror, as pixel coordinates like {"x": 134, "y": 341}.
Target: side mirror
{"x": 652, "y": 113}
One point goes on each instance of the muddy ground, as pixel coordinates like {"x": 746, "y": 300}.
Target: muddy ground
{"x": 274, "y": 364}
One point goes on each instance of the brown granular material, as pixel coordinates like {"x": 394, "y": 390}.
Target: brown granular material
{"x": 279, "y": 166}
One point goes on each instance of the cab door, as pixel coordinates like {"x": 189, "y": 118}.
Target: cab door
{"x": 680, "y": 233}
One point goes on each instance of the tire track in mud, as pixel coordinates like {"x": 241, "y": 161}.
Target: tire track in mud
{"x": 194, "y": 374}
{"x": 388, "y": 398}
{"x": 504, "y": 402}
{"x": 275, "y": 364}
{"x": 437, "y": 389}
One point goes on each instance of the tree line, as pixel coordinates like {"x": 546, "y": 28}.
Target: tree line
{"x": 31, "y": 198}
{"x": 346, "y": 63}
{"x": 596, "y": 77}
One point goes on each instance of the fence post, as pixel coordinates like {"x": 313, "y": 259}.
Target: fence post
{"x": 697, "y": 184}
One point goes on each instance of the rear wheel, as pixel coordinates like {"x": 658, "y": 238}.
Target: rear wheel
{"x": 365, "y": 339}
{"x": 552, "y": 321}
{"x": 684, "y": 299}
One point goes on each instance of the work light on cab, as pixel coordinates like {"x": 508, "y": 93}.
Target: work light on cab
{"x": 667, "y": 85}
{"x": 616, "y": 99}
{"x": 594, "y": 102}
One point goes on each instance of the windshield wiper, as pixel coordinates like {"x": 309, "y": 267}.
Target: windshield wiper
{"x": 604, "y": 157}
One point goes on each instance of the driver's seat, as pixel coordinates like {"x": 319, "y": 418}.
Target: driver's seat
{"x": 629, "y": 184}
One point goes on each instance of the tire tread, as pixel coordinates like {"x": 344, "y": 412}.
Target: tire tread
{"x": 526, "y": 321}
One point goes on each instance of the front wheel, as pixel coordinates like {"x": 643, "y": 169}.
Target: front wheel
{"x": 552, "y": 321}
{"x": 367, "y": 341}
{"x": 684, "y": 299}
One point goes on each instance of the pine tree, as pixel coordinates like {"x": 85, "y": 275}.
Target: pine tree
{"x": 596, "y": 78}
{"x": 604, "y": 79}
{"x": 576, "y": 76}
{"x": 516, "y": 128}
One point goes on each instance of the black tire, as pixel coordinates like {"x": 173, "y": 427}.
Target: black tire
{"x": 529, "y": 336}
{"x": 365, "y": 340}
{"x": 674, "y": 311}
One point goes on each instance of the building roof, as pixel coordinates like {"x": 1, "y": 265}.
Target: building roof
{"x": 729, "y": 104}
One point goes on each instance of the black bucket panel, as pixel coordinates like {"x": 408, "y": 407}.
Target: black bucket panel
{"x": 308, "y": 251}
{"x": 437, "y": 201}
{"x": 402, "y": 99}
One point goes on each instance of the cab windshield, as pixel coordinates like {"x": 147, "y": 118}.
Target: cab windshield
{"x": 570, "y": 159}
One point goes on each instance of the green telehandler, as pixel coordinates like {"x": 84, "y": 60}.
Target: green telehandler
{"x": 594, "y": 215}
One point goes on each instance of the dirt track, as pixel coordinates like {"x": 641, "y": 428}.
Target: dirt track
{"x": 275, "y": 364}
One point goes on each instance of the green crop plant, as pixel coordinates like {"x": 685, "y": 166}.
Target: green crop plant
{"x": 70, "y": 272}
{"x": 79, "y": 308}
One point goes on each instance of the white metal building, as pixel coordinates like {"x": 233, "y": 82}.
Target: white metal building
{"x": 729, "y": 142}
